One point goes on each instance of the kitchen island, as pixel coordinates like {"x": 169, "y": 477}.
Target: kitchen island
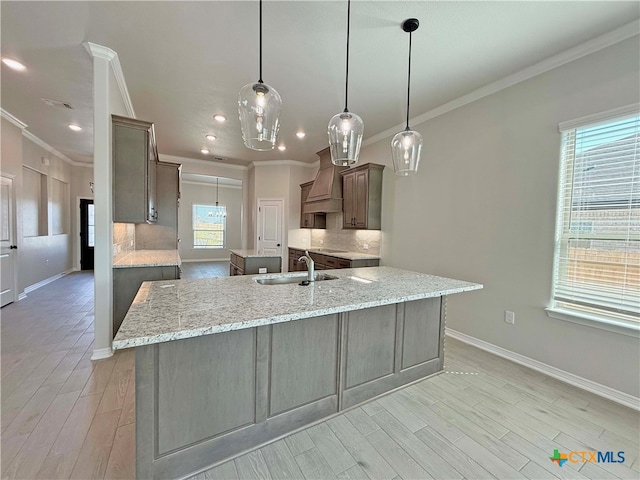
{"x": 226, "y": 364}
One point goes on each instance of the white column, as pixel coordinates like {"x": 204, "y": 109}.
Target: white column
{"x": 103, "y": 251}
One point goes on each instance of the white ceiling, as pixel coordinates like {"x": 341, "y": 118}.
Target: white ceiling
{"x": 185, "y": 61}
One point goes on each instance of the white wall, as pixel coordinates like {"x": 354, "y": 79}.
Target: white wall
{"x": 205, "y": 194}
{"x": 482, "y": 208}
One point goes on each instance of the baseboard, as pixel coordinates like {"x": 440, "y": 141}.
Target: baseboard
{"x": 22, "y": 296}
{"x": 562, "y": 375}
{"x": 192, "y": 260}
{"x": 100, "y": 353}
{"x": 46, "y": 281}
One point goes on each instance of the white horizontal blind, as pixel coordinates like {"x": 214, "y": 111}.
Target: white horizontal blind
{"x": 597, "y": 255}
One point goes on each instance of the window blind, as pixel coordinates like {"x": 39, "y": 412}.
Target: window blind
{"x": 597, "y": 254}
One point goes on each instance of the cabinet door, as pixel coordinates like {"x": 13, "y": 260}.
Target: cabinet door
{"x": 349, "y": 198}
{"x": 152, "y": 207}
{"x": 129, "y": 174}
{"x": 360, "y": 212}
{"x": 168, "y": 185}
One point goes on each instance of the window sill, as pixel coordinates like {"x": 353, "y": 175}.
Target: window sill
{"x": 595, "y": 321}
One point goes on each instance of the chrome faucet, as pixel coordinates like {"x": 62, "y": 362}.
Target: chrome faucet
{"x": 310, "y": 265}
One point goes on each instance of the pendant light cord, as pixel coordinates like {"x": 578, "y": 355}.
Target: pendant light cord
{"x": 217, "y": 188}
{"x": 409, "y": 82}
{"x": 260, "y": 80}
{"x": 346, "y": 86}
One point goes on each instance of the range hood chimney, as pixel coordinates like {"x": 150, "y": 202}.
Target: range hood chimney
{"x": 325, "y": 195}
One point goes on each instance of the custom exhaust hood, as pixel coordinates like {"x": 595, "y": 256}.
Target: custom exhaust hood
{"x": 325, "y": 195}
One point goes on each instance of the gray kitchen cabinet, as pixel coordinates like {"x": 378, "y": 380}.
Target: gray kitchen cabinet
{"x": 127, "y": 281}
{"x": 251, "y": 265}
{"x": 310, "y": 220}
{"x": 135, "y": 158}
{"x": 168, "y": 198}
{"x": 362, "y": 193}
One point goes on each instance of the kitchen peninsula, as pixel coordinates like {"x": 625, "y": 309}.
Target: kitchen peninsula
{"x": 226, "y": 364}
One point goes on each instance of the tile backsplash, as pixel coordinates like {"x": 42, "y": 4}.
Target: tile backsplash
{"x": 124, "y": 238}
{"x": 361, "y": 241}
{"x": 155, "y": 237}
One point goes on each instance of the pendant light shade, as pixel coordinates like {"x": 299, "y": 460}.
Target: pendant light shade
{"x": 346, "y": 128}
{"x": 259, "y": 107}
{"x": 406, "y": 146}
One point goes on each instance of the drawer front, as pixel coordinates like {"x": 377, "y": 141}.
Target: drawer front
{"x": 237, "y": 261}
{"x": 331, "y": 262}
{"x": 344, "y": 263}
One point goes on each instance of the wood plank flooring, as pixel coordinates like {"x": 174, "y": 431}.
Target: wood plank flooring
{"x": 64, "y": 416}
{"x": 205, "y": 269}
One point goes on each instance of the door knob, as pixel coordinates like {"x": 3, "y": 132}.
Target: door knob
{"x": 277, "y": 244}
{"x": 13, "y": 247}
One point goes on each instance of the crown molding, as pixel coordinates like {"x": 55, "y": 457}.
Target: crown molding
{"x": 14, "y": 120}
{"x": 41, "y": 143}
{"x": 212, "y": 185}
{"x": 591, "y": 46}
{"x": 211, "y": 163}
{"x": 99, "y": 51}
{"x": 294, "y": 163}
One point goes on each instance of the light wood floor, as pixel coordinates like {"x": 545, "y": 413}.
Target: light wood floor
{"x": 64, "y": 416}
{"x": 205, "y": 269}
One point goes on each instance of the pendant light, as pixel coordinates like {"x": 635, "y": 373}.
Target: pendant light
{"x": 219, "y": 213}
{"x": 345, "y": 128}
{"x": 407, "y": 145}
{"x": 259, "y": 107}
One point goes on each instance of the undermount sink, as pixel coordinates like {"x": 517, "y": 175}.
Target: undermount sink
{"x": 318, "y": 277}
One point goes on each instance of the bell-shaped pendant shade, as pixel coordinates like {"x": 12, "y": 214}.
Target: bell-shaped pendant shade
{"x": 259, "y": 107}
{"x": 406, "y": 147}
{"x": 345, "y": 138}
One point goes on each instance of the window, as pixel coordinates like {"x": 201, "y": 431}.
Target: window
{"x": 597, "y": 253}
{"x": 209, "y": 226}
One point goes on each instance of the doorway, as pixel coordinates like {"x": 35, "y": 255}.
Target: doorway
{"x": 87, "y": 233}
{"x": 8, "y": 283}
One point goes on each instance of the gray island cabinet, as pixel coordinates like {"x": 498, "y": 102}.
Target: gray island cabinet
{"x": 224, "y": 365}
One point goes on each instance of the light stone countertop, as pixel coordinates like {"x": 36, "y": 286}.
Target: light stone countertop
{"x": 253, "y": 253}
{"x": 147, "y": 258}
{"x": 344, "y": 255}
{"x": 175, "y": 309}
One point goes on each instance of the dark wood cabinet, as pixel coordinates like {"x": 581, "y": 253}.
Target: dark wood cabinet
{"x": 327, "y": 262}
{"x": 310, "y": 220}
{"x": 135, "y": 158}
{"x": 362, "y": 193}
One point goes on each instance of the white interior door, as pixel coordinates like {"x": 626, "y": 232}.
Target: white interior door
{"x": 7, "y": 243}
{"x": 270, "y": 217}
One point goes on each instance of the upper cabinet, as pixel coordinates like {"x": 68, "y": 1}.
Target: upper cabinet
{"x": 310, "y": 220}
{"x": 168, "y": 196}
{"x": 135, "y": 159}
{"x": 362, "y": 193}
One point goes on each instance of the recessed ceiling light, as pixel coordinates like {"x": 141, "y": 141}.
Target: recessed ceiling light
{"x": 211, "y": 137}
{"x": 204, "y": 151}
{"x": 219, "y": 118}
{"x": 282, "y": 148}
{"x": 74, "y": 127}
{"x": 301, "y": 134}
{"x": 11, "y": 63}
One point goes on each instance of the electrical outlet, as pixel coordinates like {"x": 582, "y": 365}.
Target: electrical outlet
{"x": 262, "y": 269}
{"x": 321, "y": 242}
{"x": 365, "y": 246}
{"x": 131, "y": 243}
{"x": 510, "y": 317}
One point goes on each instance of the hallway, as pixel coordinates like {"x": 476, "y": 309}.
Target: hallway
{"x": 62, "y": 414}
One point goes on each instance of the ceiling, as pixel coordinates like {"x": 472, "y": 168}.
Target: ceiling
{"x": 186, "y": 61}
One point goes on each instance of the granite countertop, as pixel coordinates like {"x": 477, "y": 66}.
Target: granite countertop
{"x": 175, "y": 309}
{"x": 344, "y": 255}
{"x": 147, "y": 258}
{"x": 253, "y": 253}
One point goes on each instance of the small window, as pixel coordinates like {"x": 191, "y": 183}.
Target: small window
{"x": 209, "y": 226}
{"x": 597, "y": 254}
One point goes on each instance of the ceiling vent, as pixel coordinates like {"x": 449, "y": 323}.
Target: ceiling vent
{"x": 220, "y": 159}
{"x": 57, "y": 103}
